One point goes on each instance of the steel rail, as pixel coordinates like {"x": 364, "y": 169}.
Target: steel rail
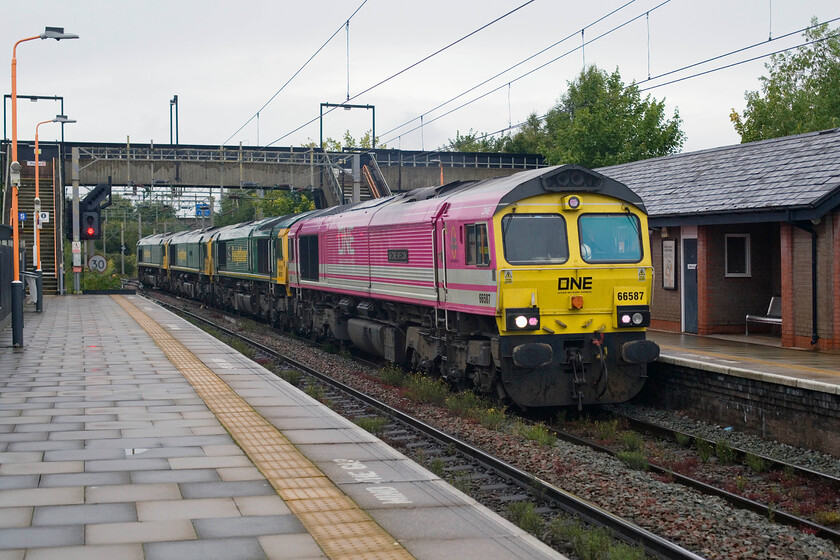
{"x": 669, "y": 434}
{"x": 732, "y": 498}
{"x": 623, "y": 529}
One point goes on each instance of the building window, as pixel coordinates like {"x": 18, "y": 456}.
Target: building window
{"x": 738, "y": 255}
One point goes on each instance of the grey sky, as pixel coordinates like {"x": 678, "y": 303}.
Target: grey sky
{"x": 226, "y": 59}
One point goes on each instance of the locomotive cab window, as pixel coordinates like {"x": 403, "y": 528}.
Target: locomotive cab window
{"x": 221, "y": 254}
{"x": 535, "y": 239}
{"x": 478, "y": 247}
{"x": 262, "y": 256}
{"x": 611, "y": 238}
{"x": 308, "y": 249}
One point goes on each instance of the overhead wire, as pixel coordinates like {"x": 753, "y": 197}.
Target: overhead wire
{"x": 724, "y": 67}
{"x": 407, "y": 68}
{"x": 305, "y": 64}
{"x": 540, "y": 67}
{"x": 508, "y": 69}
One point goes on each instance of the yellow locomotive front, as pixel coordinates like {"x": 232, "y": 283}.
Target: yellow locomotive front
{"x": 575, "y": 286}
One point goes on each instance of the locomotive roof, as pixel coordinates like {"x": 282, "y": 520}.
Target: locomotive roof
{"x": 190, "y": 236}
{"x": 510, "y": 189}
{"x": 155, "y": 238}
{"x": 233, "y": 231}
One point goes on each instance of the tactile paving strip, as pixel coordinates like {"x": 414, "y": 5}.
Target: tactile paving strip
{"x": 337, "y": 524}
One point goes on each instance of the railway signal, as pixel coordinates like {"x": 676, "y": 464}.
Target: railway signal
{"x": 91, "y": 225}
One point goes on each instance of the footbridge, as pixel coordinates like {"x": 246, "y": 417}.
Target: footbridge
{"x": 214, "y": 172}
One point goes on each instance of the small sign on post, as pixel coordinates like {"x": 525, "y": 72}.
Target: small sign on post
{"x": 97, "y": 263}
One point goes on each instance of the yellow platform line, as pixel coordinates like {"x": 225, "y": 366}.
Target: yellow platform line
{"x": 746, "y": 359}
{"x": 342, "y": 529}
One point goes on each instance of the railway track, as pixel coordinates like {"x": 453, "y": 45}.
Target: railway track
{"x": 495, "y": 474}
{"x": 736, "y": 456}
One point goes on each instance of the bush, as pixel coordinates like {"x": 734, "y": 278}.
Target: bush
{"x": 290, "y": 375}
{"x": 525, "y": 515}
{"x": 535, "y": 432}
{"x": 592, "y": 544}
{"x": 724, "y": 452}
{"x": 683, "y": 440}
{"x": 704, "y": 449}
{"x": 393, "y": 376}
{"x": 436, "y": 466}
{"x": 827, "y": 518}
{"x": 634, "y": 460}
{"x": 756, "y": 463}
{"x": 316, "y": 391}
{"x": 373, "y": 424}
{"x": 427, "y": 390}
{"x": 632, "y": 441}
{"x": 491, "y": 418}
{"x": 606, "y": 430}
{"x": 464, "y": 404}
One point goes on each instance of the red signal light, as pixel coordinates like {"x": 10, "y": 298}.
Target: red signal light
{"x": 90, "y": 231}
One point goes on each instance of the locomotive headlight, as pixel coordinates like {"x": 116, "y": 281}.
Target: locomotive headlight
{"x": 632, "y": 316}
{"x": 522, "y": 319}
{"x": 572, "y": 202}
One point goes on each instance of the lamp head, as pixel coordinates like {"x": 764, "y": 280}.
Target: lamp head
{"x": 57, "y": 33}
{"x": 63, "y": 119}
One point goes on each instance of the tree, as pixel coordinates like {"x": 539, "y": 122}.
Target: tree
{"x": 282, "y": 203}
{"x": 474, "y": 142}
{"x": 237, "y": 207}
{"x": 800, "y": 94}
{"x": 599, "y": 121}
{"x": 531, "y": 138}
{"x": 350, "y": 143}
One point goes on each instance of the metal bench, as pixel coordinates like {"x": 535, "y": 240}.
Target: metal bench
{"x": 773, "y": 316}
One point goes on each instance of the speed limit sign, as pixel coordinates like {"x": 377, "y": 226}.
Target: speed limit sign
{"x": 97, "y": 263}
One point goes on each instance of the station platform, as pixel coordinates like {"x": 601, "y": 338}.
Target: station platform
{"x": 126, "y": 432}
{"x": 752, "y": 357}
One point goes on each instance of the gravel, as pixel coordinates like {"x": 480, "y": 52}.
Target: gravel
{"x": 806, "y": 458}
{"x": 705, "y": 525}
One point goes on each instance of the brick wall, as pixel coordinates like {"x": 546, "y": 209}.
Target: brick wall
{"x": 792, "y": 415}
{"x": 730, "y": 299}
{"x": 665, "y": 311}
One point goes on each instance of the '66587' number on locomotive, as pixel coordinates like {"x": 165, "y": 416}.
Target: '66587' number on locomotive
{"x": 638, "y": 295}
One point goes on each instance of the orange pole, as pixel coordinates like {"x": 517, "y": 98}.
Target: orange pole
{"x": 14, "y": 209}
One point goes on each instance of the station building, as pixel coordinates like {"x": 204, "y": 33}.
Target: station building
{"x": 738, "y": 227}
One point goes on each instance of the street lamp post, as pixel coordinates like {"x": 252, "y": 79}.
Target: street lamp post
{"x": 36, "y": 254}
{"x": 173, "y": 101}
{"x": 58, "y": 34}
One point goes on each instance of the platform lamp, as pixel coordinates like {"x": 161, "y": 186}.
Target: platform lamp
{"x": 36, "y": 254}
{"x": 58, "y": 34}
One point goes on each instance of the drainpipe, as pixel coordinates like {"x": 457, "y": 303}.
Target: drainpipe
{"x": 807, "y": 226}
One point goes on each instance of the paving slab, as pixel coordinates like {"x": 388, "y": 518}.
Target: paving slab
{"x": 108, "y": 451}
